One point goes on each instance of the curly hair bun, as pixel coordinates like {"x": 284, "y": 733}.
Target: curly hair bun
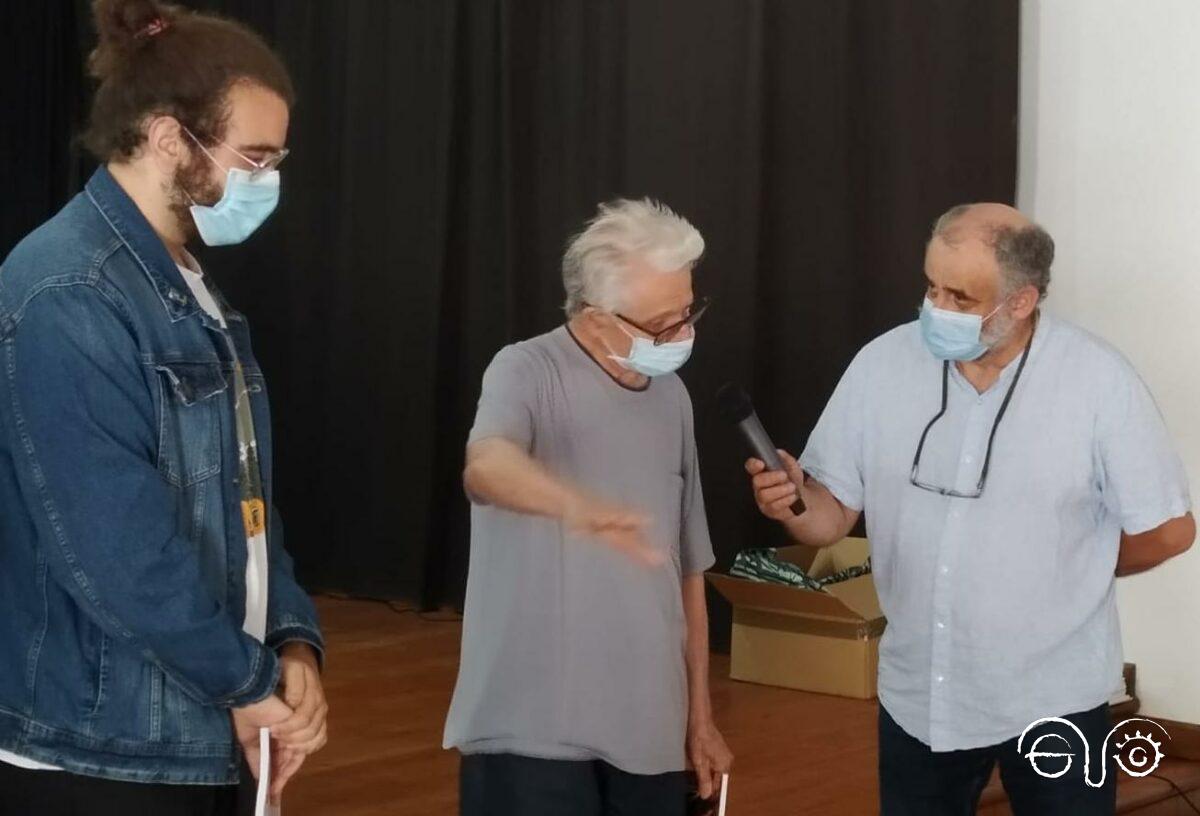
{"x": 124, "y": 26}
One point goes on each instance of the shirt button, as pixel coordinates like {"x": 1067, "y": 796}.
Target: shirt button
{"x": 940, "y": 678}
{"x": 968, "y": 459}
{"x": 945, "y": 570}
{"x": 941, "y": 625}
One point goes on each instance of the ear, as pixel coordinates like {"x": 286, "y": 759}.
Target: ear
{"x": 591, "y": 316}
{"x": 166, "y": 143}
{"x": 1025, "y": 302}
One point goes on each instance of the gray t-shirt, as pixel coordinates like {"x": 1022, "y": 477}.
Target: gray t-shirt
{"x": 572, "y": 650}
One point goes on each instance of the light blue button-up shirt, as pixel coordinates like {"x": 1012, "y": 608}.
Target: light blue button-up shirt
{"x": 1001, "y": 609}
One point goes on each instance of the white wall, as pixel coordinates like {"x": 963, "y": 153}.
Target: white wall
{"x": 1110, "y": 165}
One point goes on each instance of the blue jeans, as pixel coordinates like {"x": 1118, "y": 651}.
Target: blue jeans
{"x": 916, "y": 781}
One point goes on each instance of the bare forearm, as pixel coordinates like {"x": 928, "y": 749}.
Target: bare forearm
{"x": 706, "y": 748}
{"x": 504, "y": 475}
{"x": 696, "y": 651}
{"x": 826, "y": 520}
{"x": 501, "y": 474}
{"x": 1145, "y": 551}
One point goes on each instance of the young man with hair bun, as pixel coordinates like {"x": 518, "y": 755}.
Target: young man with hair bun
{"x": 153, "y": 619}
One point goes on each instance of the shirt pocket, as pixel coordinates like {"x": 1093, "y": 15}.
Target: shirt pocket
{"x": 192, "y": 396}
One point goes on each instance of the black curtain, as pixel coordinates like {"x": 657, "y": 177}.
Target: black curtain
{"x": 42, "y": 106}
{"x": 443, "y": 150}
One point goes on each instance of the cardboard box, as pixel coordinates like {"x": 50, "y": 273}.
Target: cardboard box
{"x": 797, "y": 638}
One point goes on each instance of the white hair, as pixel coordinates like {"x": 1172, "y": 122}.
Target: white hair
{"x": 597, "y": 258}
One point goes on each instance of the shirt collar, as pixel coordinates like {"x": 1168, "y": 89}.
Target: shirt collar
{"x": 1045, "y": 325}
{"x": 143, "y": 243}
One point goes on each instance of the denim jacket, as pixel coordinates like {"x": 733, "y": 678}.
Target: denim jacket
{"x": 122, "y": 545}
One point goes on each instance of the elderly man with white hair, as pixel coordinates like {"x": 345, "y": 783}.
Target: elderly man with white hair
{"x": 583, "y": 684}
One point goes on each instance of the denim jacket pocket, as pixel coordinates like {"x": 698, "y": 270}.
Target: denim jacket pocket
{"x": 190, "y": 405}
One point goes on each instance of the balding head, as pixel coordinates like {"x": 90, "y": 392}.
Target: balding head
{"x": 1023, "y": 250}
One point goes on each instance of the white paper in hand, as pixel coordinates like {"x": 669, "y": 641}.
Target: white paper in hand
{"x": 262, "y": 806}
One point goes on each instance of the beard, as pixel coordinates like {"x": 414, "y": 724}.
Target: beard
{"x": 998, "y": 330}
{"x": 191, "y": 184}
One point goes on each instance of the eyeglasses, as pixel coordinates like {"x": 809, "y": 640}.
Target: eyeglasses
{"x": 915, "y": 478}
{"x": 695, "y": 312}
{"x": 257, "y": 168}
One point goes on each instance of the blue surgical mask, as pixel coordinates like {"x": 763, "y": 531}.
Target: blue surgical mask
{"x": 655, "y": 361}
{"x": 244, "y": 206}
{"x": 953, "y": 335}
{"x": 248, "y": 200}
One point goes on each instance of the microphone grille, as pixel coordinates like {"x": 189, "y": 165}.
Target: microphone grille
{"x": 733, "y": 403}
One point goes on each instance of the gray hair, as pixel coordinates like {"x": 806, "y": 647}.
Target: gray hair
{"x": 1024, "y": 254}
{"x": 597, "y": 258}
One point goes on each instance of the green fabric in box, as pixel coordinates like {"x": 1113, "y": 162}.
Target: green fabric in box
{"x": 766, "y": 566}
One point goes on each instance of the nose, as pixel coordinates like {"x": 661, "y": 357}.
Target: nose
{"x": 681, "y": 334}
{"x": 940, "y": 300}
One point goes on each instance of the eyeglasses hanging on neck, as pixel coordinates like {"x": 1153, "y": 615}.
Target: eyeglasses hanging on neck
{"x": 915, "y": 476}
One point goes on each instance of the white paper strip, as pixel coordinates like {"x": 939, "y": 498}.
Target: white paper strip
{"x": 262, "y": 807}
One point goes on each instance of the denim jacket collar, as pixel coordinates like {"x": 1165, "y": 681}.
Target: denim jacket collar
{"x": 135, "y": 232}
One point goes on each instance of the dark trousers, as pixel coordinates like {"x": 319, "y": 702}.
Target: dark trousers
{"x": 58, "y": 793}
{"x": 915, "y": 781}
{"x": 510, "y": 785}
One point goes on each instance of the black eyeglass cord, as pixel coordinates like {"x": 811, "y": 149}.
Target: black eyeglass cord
{"x": 987, "y": 459}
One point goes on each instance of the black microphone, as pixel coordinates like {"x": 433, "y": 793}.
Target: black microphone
{"x": 734, "y": 404}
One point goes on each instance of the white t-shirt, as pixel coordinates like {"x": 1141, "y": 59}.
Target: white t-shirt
{"x": 9, "y": 758}
{"x": 194, "y": 278}
{"x": 256, "y": 564}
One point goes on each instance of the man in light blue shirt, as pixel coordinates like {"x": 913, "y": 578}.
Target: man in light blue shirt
{"x": 1010, "y": 466}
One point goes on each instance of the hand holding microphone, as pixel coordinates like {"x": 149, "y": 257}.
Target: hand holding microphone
{"x": 777, "y": 476}
{"x": 776, "y": 491}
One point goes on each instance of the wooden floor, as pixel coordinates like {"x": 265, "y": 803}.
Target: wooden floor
{"x": 389, "y": 678}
